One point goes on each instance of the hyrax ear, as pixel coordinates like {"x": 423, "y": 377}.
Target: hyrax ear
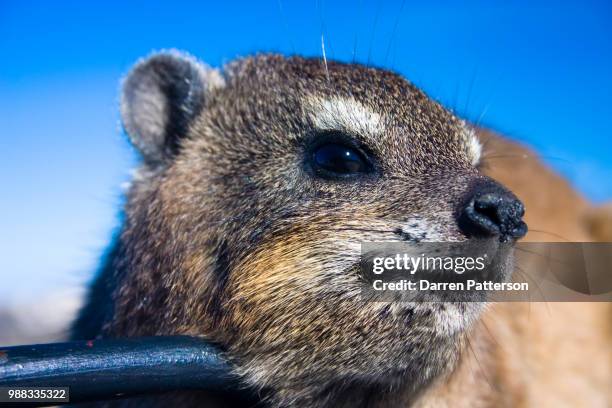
{"x": 161, "y": 96}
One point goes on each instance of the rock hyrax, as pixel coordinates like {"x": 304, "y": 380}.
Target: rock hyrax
{"x": 258, "y": 183}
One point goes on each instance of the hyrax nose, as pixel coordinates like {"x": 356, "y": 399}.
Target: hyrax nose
{"x": 497, "y": 213}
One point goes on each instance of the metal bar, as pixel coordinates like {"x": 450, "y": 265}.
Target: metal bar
{"x": 113, "y": 368}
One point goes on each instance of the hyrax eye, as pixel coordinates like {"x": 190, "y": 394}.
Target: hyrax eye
{"x": 339, "y": 159}
{"x": 335, "y": 159}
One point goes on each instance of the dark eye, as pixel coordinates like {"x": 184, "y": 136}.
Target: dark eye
{"x": 338, "y": 160}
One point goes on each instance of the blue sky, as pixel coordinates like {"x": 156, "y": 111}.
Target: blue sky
{"x": 540, "y": 73}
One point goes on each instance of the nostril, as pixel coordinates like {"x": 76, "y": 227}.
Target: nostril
{"x": 493, "y": 214}
{"x": 487, "y": 206}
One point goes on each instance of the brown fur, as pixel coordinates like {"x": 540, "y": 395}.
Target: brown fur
{"x": 228, "y": 236}
{"x": 538, "y": 354}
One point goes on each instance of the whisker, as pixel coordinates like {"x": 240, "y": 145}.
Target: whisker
{"x": 493, "y": 91}
{"x": 363, "y": 230}
{"x": 394, "y": 29}
{"x": 548, "y": 257}
{"x": 355, "y": 37}
{"x": 521, "y": 275}
{"x": 484, "y": 325}
{"x": 324, "y": 56}
{"x": 322, "y": 22}
{"x": 481, "y": 367}
{"x": 539, "y": 289}
{"x": 482, "y": 114}
{"x": 455, "y": 99}
{"x": 470, "y": 89}
{"x": 525, "y": 156}
{"x": 378, "y": 9}
{"x": 506, "y": 156}
{"x": 549, "y": 233}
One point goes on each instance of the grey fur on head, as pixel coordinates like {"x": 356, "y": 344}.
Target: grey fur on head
{"x": 160, "y": 97}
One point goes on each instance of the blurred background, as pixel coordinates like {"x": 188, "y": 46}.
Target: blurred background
{"x": 538, "y": 73}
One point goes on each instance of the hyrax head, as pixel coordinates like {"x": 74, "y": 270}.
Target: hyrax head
{"x": 257, "y": 187}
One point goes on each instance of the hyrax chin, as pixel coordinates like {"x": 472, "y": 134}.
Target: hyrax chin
{"x": 243, "y": 225}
